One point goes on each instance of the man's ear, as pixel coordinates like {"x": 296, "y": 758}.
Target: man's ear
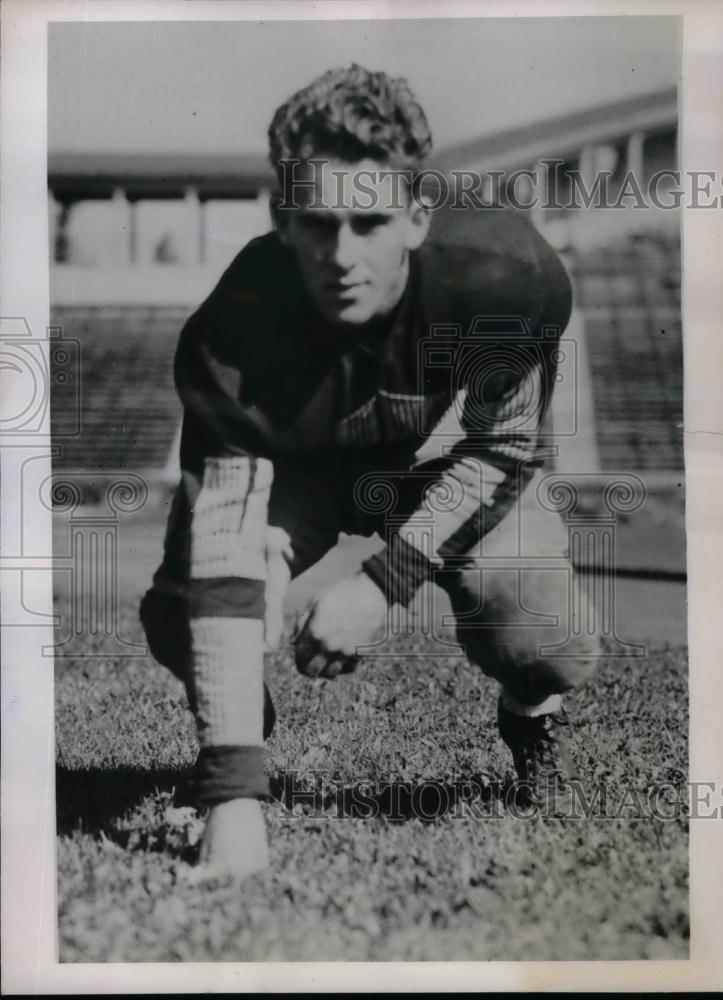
{"x": 279, "y": 218}
{"x": 419, "y": 221}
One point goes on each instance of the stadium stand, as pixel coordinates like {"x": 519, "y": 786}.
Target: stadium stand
{"x": 128, "y": 404}
{"x": 629, "y": 294}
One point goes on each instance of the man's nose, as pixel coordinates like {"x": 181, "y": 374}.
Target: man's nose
{"x": 344, "y": 253}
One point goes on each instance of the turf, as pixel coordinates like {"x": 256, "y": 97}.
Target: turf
{"x": 472, "y": 881}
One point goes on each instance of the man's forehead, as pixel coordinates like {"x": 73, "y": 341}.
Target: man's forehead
{"x": 363, "y": 186}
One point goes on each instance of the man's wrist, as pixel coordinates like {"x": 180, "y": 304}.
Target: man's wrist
{"x": 399, "y": 570}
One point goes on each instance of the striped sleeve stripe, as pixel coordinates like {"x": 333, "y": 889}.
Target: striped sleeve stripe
{"x": 470, "y": 531}
{"x": 483, "y": 485}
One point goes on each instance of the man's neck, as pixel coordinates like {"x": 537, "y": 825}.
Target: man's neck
{"x": 397, "y": 290}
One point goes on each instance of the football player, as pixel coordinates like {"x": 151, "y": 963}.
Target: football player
{"x": 367, "y": 340}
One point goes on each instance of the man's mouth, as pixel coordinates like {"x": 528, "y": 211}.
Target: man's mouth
{"x": 345, "y": 289}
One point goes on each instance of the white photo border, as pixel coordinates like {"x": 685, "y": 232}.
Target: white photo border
{"x": 29, "y": 918}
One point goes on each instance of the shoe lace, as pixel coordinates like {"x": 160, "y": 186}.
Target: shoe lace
{"x": 540, "y": 749}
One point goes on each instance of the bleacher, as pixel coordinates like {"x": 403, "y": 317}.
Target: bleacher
{"x": 629, "y": 294}
{"x": 128, "y": 404}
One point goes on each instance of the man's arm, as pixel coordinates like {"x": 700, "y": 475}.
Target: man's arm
{"x": 477, "y": 482}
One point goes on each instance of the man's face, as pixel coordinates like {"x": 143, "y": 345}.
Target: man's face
{"x": 352, "y": 234}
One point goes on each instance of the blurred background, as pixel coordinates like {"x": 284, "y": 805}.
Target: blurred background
{"x": 157, "y": 177}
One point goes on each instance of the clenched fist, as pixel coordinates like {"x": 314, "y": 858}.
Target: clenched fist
{"x": 348, "y": 614}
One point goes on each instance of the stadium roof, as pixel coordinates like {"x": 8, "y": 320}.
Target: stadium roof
{"x": 562, "y": 135}
{"x": 143, "y": 175}
{"x": 74, "y": 175}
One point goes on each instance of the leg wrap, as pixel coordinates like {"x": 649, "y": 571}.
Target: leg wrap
{"x": 165, "y": 619}
{"x": 229, "y": 520}
{"x": 228, "y": 677}
{"x": 227, "y": 583}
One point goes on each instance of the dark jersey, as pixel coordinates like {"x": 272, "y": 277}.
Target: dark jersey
{"x": 455, "y": 382}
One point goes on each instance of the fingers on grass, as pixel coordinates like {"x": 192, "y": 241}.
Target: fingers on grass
{"x": 341, "y": 664}
{"x": 208, "y": 873}
{"x": 316, "y": 665}
{"x": 333, "y": 668}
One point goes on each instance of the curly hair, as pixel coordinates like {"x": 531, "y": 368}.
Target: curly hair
{"x": 352, "y": 114}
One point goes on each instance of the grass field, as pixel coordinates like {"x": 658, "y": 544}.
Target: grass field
{"x": 480, "y": 883}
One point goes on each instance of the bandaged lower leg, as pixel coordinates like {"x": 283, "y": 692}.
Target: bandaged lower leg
{"x": 227, "y": 600}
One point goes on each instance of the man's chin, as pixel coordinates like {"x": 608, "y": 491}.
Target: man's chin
{"x": 354, "y": 314}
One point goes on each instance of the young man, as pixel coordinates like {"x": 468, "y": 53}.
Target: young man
{"x": 366, "y": 340}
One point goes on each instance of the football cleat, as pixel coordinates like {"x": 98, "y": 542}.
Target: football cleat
{"x": 542, "y": 759}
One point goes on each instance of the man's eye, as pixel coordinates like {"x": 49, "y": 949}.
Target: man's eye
{"x": 368, "y": 223}
{"x": 317, "y": 224}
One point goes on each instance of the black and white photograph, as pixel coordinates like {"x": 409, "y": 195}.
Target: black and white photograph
{"x": 367, "y": 484}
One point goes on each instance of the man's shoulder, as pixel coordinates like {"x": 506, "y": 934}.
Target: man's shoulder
{"x": 493, "y": 262}
{"x": 257, "y": 270}
{"x": 244, "y": 307}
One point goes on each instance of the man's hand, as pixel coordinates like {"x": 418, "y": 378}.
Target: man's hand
{"x": 348, "y": 614}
